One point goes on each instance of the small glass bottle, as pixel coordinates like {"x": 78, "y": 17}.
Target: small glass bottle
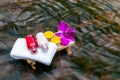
{"x": 31, "y": 43}
{"x": 42, "y": 41}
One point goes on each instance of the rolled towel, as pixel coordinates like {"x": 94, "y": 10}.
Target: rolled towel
{"x": 20, "y": 51}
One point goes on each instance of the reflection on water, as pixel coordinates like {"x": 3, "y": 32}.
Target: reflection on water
{"x": 95, "y": 54}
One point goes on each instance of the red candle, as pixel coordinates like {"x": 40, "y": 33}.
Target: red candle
{"x": 31, "y": 43}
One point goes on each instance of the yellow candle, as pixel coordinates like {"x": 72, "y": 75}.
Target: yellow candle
{"x": 56, "y": 39}
{"x": 48, "y": 34}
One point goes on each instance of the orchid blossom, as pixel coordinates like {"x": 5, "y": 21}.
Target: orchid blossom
{"x": 66, "y": 33}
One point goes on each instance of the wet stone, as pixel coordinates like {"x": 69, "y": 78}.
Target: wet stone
{"x": 108, "y": 44}
{"x": 12, "y": 17}
{"x": 15, "y": 75}
{"x": 92, "y": 34}
{"x": 1, "y": 24}
{"x": 5, "y": 69}
{"x": 98, "y": 32}
{"x": 90, "y": 47}
{"x": 84, "y": 30}
{"x": 106, "y": 53}
{"x": 90, "y": 27}
{"x": 101, "y": 42}
{"x": 5, "y": 58}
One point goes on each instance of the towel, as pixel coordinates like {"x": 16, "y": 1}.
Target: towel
{"x": 20, "y": 51}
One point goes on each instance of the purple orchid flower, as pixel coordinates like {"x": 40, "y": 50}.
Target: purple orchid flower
{"x": 67, "y": 34}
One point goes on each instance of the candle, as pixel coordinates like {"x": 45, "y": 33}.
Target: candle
{"x": 56, "y": 40}
{"x": 48, "y": 34}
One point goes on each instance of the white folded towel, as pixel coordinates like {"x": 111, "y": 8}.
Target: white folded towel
{"x": 20, "y": 51}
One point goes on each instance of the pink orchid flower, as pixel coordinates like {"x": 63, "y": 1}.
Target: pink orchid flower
{"x": 65, "y": 33}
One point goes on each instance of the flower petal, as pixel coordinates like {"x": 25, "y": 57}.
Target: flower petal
{"x": 71, "y": 29}
{"x": 58, "y": 33}
{"x": 69, "y": 33}
{"x": 65, "y": 41}
{"x": 62, "y": 26}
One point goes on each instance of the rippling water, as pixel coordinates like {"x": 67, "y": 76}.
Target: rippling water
{"x": 96, "y": 54}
